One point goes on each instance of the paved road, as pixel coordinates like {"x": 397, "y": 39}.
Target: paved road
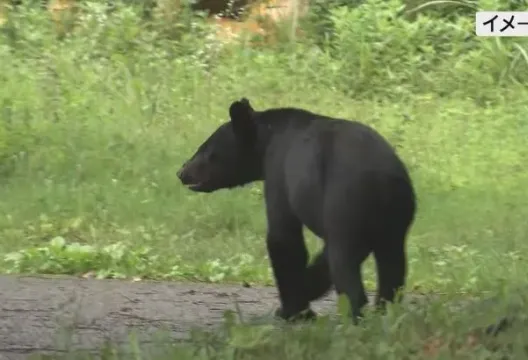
{"x": 37, "y": 313}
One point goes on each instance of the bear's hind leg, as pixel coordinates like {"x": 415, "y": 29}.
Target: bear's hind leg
{"x": 346, "y": 254}
{"x": 391, "y": 266}
{"x": 349, "y": 219}
{"x": 390, "y": 240}
{"x": 317, "y": 278}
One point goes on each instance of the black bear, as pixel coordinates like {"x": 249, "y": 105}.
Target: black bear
{"x": 339, "y": 178}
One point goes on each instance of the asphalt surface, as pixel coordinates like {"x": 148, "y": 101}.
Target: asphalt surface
{"x": 56, "y": 315}
{"x": 53, "y": 315}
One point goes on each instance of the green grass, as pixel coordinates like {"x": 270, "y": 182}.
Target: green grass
{"x": 93, "y": 129}
{"x": 101, "y": 176}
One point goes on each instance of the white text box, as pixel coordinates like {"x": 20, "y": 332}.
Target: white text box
{"x": 501, "y": 23}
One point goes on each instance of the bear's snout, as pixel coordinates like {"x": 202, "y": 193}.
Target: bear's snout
{"x": 179, "y": 173}
{"x": 183, "y": 175}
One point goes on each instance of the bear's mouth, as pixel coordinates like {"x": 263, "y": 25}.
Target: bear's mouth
{"x": 200, "y": 187}
{"x": 195, "y": 186}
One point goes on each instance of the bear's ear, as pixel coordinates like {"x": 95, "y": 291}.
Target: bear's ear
{"x": 244, "y": 126}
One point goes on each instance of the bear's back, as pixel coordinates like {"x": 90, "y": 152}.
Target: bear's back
{"x": 305, "y": 139}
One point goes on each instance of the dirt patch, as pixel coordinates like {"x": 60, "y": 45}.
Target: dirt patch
{"x": 38, "y": 313}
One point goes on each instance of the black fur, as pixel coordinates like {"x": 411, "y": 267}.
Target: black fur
{"x": 339, "y": 178}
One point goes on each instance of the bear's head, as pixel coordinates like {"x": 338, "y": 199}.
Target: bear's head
{"x": 229, "y": 157}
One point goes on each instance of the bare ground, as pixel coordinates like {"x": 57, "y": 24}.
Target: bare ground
{"x": 53, "y": 314}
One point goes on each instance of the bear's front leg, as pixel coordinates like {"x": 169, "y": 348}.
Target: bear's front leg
{"x": 289, "y": 257}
